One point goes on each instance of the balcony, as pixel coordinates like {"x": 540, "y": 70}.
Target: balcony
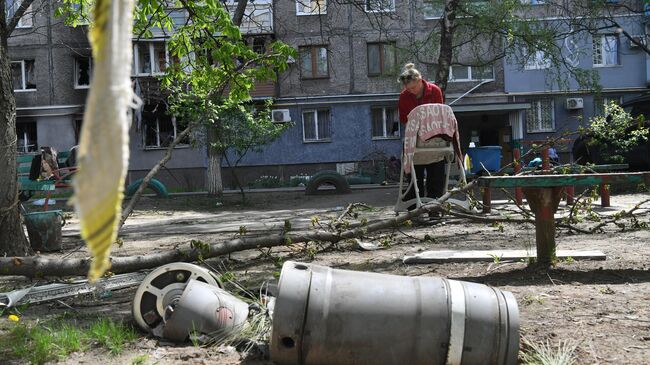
{"x": 258, "y": 17}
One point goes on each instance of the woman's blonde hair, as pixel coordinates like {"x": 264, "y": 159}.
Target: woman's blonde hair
{"x": 409, "y": 74}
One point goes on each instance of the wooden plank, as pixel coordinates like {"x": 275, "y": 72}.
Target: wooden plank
{"x": 540, "y": 181}
{"x": 443, "y": 256}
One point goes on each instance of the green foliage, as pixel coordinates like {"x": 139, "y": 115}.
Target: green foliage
{"x": 618, "y": 129}
{"x": 265, "y": 182}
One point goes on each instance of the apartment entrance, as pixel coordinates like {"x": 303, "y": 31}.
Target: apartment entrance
{"x": 486, "y": 129}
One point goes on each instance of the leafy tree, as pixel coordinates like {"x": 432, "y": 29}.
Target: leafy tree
{"x": 615, "y": 133}
{"x": 214, "y": 74}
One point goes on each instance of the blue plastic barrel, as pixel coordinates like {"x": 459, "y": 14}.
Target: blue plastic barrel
{"x": 485, "y": 158}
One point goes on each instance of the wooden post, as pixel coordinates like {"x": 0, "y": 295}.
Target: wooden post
{"x": 604, "y": 195}
{"x": 570, "y": 192}
{"x": 546, "y": 161}
{"x": 544, "y": 203}
{"x": 487, "y": 200}
{"x": 517, "y": 157}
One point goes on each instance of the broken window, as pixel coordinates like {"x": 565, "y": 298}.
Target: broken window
{"x": 160, "y": 129}
{"x": 380, "y": 6}
{"x": 26, "y": 137}
{"x": 150, "y": 58}
{"x": 82, "y": 72}
{"x": 22, "y": 73}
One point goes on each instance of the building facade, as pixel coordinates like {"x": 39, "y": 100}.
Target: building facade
{"x": 339, "y": 95}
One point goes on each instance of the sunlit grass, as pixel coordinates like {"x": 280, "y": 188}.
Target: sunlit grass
{"x": 54, "y": 340}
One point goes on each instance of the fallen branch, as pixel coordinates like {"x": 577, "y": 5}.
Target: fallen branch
{"x": 38, "y": 266}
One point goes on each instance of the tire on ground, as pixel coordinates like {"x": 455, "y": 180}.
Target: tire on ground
{"x": 327, "y": 177}
{"x": 154, "y": 185}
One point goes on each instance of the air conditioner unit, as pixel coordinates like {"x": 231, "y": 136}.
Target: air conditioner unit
{"x": 640, "y": 39}
{"x": 574, "y": 103}
{"x": 280, "y": 116}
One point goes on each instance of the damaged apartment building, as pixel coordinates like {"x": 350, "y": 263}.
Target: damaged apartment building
{"x": 339, "y": 95}
{"x": 52, "y": 68}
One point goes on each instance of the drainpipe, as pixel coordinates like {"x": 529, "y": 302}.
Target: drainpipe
{"x": 470, "y": 90}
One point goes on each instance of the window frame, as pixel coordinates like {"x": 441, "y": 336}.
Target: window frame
{"x": 604, "y": 100}
{"x": 601, "y": 39}
{"x": 385, "y": 135}
{"x": 428, "y": 8}
{"x": 24, "y": 76}
{"x": 158, "y": 145}
{"x": 300, "y": 6}
{"x": 382, "y": 64}
{"x": 314, "y": 63}
{"x": 76, "y": 72}
{"x": 537, "y": 106}
{"x": 391, "y": 10}
{"x": 470, "y": 73}
{"x": 136, "y": 57}
{"x": 315, "y": 112}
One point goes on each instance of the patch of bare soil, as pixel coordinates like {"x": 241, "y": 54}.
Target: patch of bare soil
{"x": 603, "y": 307}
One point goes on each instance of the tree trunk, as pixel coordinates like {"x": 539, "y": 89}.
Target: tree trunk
{"x": 12, "y": 236}
{"x": 214, "y": 181}
{"x": 446, "y": 43}
{"x": 39, "y": 266}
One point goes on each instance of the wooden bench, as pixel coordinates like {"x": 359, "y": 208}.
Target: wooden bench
{"x": 28, "y": 187}
{"x": 543, "y": 193}
{"x": 604, "y": 189}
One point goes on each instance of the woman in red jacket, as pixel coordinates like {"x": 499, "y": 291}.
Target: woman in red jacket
{"x": 418, "y": 91}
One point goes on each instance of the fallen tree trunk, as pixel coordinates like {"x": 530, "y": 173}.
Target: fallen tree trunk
{"x": 37, "y": 266}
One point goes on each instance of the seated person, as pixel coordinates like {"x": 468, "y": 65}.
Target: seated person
{"x": 44, "y": 165}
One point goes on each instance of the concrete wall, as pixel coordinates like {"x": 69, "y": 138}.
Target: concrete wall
{"x": 629, "y": 73}
{"x": 351, "y": 139}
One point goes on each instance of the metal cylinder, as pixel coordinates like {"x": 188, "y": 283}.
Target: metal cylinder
{"x": 204, "y": 309}
{"x": 328, "y": 316}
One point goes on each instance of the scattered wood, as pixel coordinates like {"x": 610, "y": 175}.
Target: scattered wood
{"x": 443, "y": 256}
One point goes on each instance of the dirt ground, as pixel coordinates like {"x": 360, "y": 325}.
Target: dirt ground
{"x": 603, "y": 307}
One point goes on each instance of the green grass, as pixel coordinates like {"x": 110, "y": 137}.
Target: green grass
{"x": 56, "y": 339}
{"x": 547, "y": 354}
{"x": 139, "y": 359}
{"x": 111, "y": 335}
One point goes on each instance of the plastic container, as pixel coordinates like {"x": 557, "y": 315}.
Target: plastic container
{"x": 485, "y": 158}
{"x": 44, "y": 230}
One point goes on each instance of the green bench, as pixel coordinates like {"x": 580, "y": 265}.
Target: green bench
{"x": 544, "y": 192}
{"x": 28, "y": 187}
